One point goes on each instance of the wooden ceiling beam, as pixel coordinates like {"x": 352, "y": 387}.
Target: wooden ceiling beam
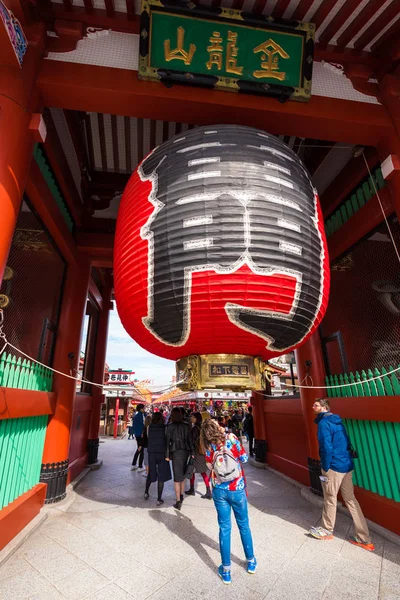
{"x": 378, "y": 24}
{"x": 361, "y": 19}
{"x": 337, "y": 22}
{"x": 302, "y": 9}
{"x": 97, "y": 17}
{"x": 280, "y": 8}
{"x": 110, "y": 7}
{"x": 118, "y": 91}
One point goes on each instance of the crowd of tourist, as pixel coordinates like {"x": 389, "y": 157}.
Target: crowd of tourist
{"x": 211, "y": 445}
{"x": 199, "y": 443}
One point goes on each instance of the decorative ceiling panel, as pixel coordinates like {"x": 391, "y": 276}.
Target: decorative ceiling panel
{"x": 339, "y": 22}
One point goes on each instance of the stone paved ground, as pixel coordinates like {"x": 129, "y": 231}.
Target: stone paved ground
{"x": 109, "y": 543}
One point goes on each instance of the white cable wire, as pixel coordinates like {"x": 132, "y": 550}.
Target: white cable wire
{"x": 306, "y": 387}
{"x": 381, "y": 205}
{"x": 81, "y": 379}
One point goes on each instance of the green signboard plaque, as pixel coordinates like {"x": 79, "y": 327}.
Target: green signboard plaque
{"x": 225, "y": 49}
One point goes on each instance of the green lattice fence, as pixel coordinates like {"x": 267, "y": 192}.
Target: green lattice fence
{"x": 377, "y": 468}
{"x": 387, "y": 385}
{"x": 23, "y": 374}
{"x": 21, "y": 450}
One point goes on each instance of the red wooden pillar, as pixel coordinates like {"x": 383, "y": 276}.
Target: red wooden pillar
{"x": 17, "y": 140}
{"x": 310, "y": 366}
{"x": 55, "y": 454}
{"x": 389, "y": 94}
{"x": 260, "y": 433}
{"x": 98, "y": 376}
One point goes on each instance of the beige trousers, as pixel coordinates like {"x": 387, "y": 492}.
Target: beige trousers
{"x": 344, "y": 483}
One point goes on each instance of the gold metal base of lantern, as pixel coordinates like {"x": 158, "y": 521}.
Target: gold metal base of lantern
{"x": 222, "y": 371}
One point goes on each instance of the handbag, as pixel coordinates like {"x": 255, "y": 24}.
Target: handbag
{"x": 190, "y": 468}
{"x": 353, "y": 453}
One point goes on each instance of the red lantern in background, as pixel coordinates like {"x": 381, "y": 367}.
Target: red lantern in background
{"x": 220, "y": 247}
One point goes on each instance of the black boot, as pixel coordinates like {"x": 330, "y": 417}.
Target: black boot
{"x": 181, "y": 498}
{"x": 178, "y": 505}
{"x": 207, "y": 495}
{"x": 190, "y": 491}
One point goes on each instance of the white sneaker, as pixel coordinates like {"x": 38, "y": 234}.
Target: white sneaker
{"x": 144, "y": 474}
{"x": 141, "y": 469}
{"x": 133, "y": 468}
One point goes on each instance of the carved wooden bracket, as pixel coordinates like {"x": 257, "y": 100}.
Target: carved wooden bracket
{"x": 359, "y": 76}
{"x": 69, "y": 33}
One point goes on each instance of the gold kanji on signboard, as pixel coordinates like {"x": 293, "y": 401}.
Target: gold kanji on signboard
{"x": 179, "y": 53}
{"x": 272, "y": 52}
{"x": 231, "y": 55}
{"x": 215, "y": 51}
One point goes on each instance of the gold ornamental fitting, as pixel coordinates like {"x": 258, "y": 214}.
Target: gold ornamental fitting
{"x": 4, "y": 301}
{"x": 221, "y": 371}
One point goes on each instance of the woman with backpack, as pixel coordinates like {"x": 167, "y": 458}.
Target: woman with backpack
{"x": 224, "y": 455}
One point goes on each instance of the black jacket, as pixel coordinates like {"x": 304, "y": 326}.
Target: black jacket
{"x": 248, "y": 425}
{"x": 156, "y": 439}
{"x": 178, "y": 438}
{"x": 195, "y": 438}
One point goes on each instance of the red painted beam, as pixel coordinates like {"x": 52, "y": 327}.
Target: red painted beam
{"x": 17, "y": 515}
{"x": 96, "y": 295}
{"x": 368, "y": 408}
{"x": 117, "y": 91}
{"x": 46, "y": 207}
{"x": 16, "y": 403}
{"x": 98, "y": 247}
{"x": 287, "y": 406}
{"x": 55, "y": 154}
{"x": 360, "y": 225}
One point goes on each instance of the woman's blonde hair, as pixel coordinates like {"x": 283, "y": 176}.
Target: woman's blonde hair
{"x": 147, "y": 421}
{"x": 211, "y": 434}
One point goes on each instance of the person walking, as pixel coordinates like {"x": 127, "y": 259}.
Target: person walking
{"x": 178, "y": 449}
{"x": 225, "y": 455}
{"x": 337, "y": 474}
{"x": 200, "y": 464}
{"x": 159, "y": 468}
{"x": 144, "y": 444}
{"x": 138, "y": 426}
{"x": 248, "y": 428}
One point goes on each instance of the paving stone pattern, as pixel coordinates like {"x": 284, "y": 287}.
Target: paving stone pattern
{"x": 107, "y": 542}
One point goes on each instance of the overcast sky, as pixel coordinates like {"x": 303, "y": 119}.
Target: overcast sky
{"x": 124, "y": 353}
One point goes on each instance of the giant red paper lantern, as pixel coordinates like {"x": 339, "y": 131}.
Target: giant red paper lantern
{"x": 220, "y": 247}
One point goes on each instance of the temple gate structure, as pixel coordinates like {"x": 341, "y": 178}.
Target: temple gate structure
{"x": 76, "y": 120}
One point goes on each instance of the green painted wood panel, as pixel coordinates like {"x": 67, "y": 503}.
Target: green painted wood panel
{"x": 378, "y": 445}
{"x": 24, "y": 374}
{"x": 21, "y": 450}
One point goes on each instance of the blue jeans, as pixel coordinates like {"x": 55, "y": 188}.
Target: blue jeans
{"x": 224, "y": 500}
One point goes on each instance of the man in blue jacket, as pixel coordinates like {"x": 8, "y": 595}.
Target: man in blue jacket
{"x": 138, "y": 426}
{"x": 337, "y": 474}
